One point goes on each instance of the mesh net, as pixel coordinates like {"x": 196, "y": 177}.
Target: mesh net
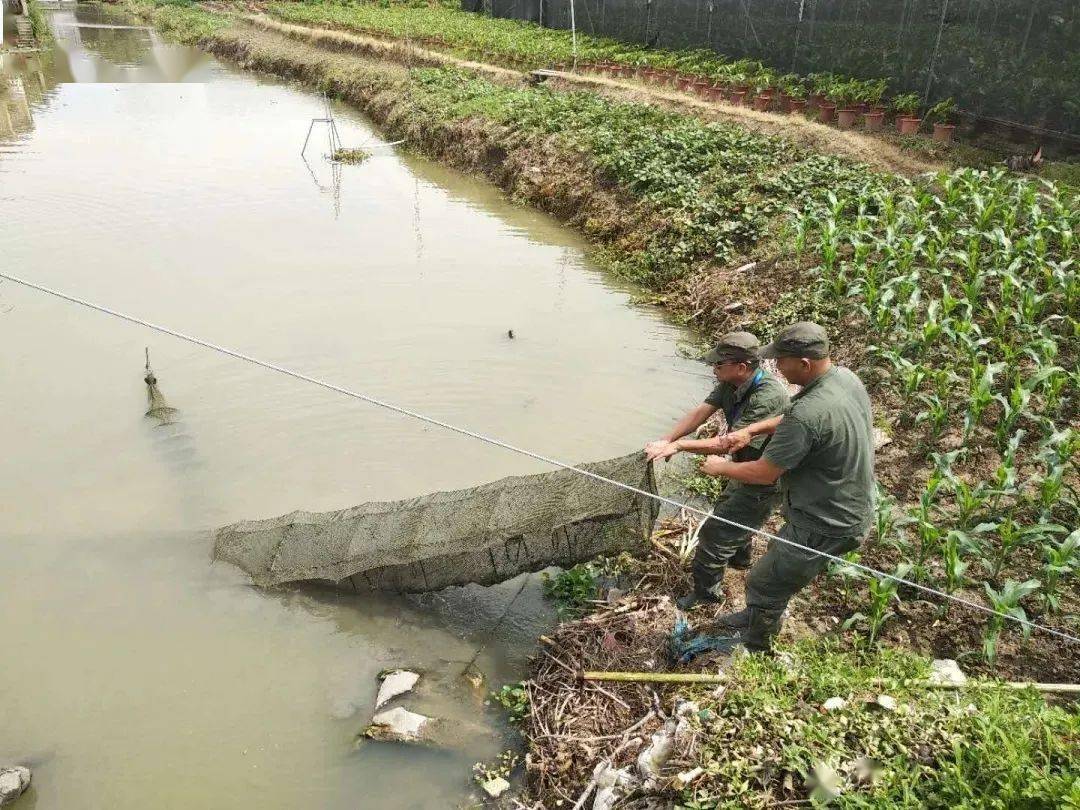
{"x": 1017, "y": 60}
{"x": 484, "y": 535}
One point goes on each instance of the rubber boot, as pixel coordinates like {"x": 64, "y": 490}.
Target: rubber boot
{"x": 736, "y": 621}
{"x": 763, "y": 627}
{"x": 741, "y": 561}
{"x": 701, "y": 595}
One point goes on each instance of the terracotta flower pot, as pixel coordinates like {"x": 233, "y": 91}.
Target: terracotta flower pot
{"x": 845, "y": 118}
{"x": 874, "y": 120}
{"x": 826, "y": 112}
{"x": 906, "y": 125}
{"x": 737, "y": 97}
{"x": 816, "y": 100}
{"x": 796, "y": 106}
{"x": 717, "y": 94}
{"x": 683, "y": 82}
{"x": 762, "y": 102}
{"x": 702, "y": 88}
{"x": 943, "y": 132}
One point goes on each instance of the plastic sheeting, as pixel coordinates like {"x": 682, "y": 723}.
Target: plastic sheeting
{"x": 484, "y": 535}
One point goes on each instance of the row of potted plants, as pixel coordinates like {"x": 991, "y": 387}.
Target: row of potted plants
{"x": 828, "y": 97}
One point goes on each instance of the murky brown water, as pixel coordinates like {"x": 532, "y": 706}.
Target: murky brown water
{"x": 159, "y": 181}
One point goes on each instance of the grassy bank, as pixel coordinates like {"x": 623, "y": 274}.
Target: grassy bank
{"x": 38, "y": 23}
{"x": 824, "y": 721}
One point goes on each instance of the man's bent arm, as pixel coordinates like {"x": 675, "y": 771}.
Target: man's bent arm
{"x": 691, "y": 422}
{"x": 765, "y": 426}
{"x": 738, "y": 439}
{"x": 749, "y": 472}
{"x": 702, "y": 447}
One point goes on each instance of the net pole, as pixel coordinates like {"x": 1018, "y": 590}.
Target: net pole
{"x": 573, "y": 34}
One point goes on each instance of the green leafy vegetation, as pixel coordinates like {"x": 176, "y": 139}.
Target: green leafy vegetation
{"x": 968, "y": 282}
{"x": 720, "y": 189}
{"x": 572, "y": 589}
{"x": 767, "y": 738}
{"x": 514, "y": 698}
{"x": 39, "y": 26}
{"x": 525, "y": 45}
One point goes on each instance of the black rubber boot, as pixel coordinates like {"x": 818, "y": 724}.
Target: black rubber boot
{"x": 701, "y": 595}
{"x": 763, "y": 627}
{"x": 736, "y": 621}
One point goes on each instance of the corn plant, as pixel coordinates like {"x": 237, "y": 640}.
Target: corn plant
{"x": 1062, "y": 559}
{"x": 953, "y": 562}
{"x": 1005, "y": 603}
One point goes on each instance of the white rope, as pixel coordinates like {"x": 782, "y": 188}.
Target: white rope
{"x": 522, "y": 451}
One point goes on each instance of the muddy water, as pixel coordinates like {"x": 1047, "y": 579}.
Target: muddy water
{"x": 161, "y": 182}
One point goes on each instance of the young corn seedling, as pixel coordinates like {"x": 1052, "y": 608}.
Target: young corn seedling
{"x": 981, "y": 394}
{"x": 1006, "y": 602}
{"x": 882, "y": 594}
{"x": 953, "y": 562}
{"x": 1062, "y": 559}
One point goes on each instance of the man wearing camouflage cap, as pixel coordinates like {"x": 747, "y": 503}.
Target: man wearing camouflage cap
{"x": 746, "y": 393}
{"x": 822, "y": 451}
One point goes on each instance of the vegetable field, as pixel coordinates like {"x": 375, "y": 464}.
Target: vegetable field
{"x": 966, "y": 292}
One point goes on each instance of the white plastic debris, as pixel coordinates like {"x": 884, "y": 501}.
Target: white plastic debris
{"x": 398, "y": 724}
{"x": 13, "y": 782}
{"x": 686, "y": 777}
{"x": 611, "y": 785}
{"x": 833, "y": 704}
{"x": 886, "y": 702}
{"x": 655, "y": 756}
{"x": 395, "y": 683}
{"x": 946, "y": 670}
{"x": 495, "y": 787}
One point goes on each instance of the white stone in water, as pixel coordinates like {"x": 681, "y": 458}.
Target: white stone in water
{"x": 946, "y": 670}
{"x": 395, "y": 683}
{"x": 834, "y": 703}
{"x": 398, "y": 724}
{"x": 495, "y": 787}
{"x": 13, "y": 782}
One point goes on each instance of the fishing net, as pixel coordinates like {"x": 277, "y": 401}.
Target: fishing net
{"x": 484, "y": 535}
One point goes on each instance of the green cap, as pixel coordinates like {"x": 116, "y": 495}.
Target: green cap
{"x": 734, "y": 347}
{"x": 803, "y": 339}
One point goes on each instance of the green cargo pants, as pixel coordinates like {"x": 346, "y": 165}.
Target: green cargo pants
{"x": 720, "y": 543}
{"x": 780, "y": 574}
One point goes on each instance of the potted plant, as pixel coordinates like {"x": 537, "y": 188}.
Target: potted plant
{"x": 907, "y": 107}
{"x": 845, "y": 94}
{"x": 872, "y": 93}
{"x": 796, "y": 99}
{"x": 820, "y": 84}
{"x": 826, "y": 105}
{"x": 939, "y": 115}
{"x": 763, "y": 90}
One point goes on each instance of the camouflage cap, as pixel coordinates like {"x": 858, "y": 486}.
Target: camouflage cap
{"x": 734, "y": 347}
{"x": 803, "y": 339}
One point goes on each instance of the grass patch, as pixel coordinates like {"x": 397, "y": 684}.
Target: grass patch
{"x": 39, "y": 24}
{"x": 767, "y": 735}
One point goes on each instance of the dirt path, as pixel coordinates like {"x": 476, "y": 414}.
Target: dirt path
{"x": 875, "y": 151}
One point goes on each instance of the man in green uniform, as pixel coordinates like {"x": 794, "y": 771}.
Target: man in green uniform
{"x": 746, "y": 393}
{"x": 822, "y": 451}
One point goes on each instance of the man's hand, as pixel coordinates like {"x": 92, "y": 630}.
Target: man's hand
{"x": 714, "y": 465}
{"x": 661, "y": 449}
{"x": 735, "y": 441}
